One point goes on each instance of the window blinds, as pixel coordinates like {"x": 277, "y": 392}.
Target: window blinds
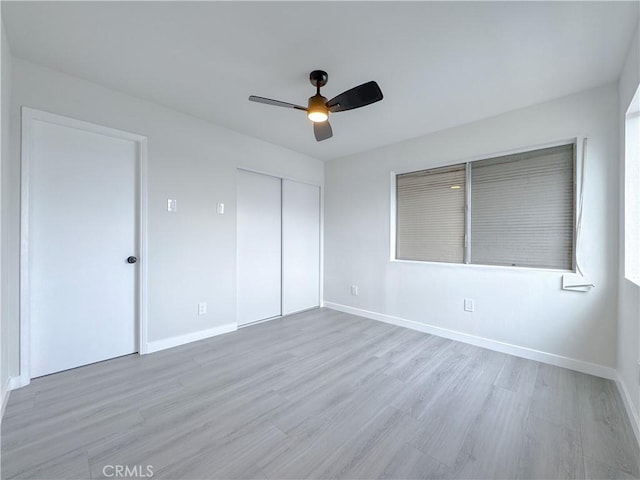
{"x": 430, "y": 220}
{"x": 522, "y": 209}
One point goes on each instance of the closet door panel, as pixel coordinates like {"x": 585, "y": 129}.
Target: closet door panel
{"x": 300, "y": 246}
{"x": 259, "y": 246}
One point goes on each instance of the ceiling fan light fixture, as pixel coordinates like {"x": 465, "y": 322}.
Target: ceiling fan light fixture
{"x": 317, "y": 116}
{"x": 317, "y": 110}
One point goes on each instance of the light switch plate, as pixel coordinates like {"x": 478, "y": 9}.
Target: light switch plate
{"x": 172, "y": 205}
{"x": 468, "y": 305}
{"x": 220, "y": 208}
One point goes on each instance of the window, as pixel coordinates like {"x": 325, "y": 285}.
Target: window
{"x": 430, "y": 215}
{"x": 515, "y": 210}
{"x": 632, "y": 192}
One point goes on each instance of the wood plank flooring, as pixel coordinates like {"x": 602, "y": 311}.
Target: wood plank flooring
{"x": 320, "y": 394}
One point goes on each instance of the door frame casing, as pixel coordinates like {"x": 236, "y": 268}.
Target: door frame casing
{"x": 29, "y": 115}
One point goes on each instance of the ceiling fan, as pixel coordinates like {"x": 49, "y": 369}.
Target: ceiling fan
{"x": 319, "y": 107}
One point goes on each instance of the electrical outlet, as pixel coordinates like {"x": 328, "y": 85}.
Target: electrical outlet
{"x": 202, "y": 308}
{"x": 468, "y": 305}
{"x": 354, "y": 290}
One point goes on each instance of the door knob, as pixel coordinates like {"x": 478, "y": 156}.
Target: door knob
{"x": 132, "y": 260}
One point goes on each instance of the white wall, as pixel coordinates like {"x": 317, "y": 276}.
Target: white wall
{"x": 521, "y": 307}
{"x": 5, "y": 83}
{"x": 192, "y": 253}
{"x": 629, "y": 294}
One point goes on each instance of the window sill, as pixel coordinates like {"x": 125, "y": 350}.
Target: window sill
{"x": 633, "y": 280}
{"x": 484, "y": 267}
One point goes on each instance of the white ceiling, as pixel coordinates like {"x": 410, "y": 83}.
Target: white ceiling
{"x": 439, "y": 64}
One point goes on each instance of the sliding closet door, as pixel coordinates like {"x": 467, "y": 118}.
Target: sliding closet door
{"x": 259, "y": 246}
{"x": 300, "y": 246}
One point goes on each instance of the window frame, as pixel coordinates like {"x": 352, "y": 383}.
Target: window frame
{"x": 577, "y": 141}
{"x": 631, "y": 273}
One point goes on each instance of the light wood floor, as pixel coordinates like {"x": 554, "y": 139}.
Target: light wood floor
{"x": 320, "y": 395}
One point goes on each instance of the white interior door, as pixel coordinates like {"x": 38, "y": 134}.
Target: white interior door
{"x": 259, "y": 217}
{"x": 82, "y": 227}
{"x": 300, "y": 246}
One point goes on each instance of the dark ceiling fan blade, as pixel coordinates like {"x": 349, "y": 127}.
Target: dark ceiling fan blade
{"x": 277, "y": 103}
{"x": 357, "y": 97}
{"x": 322, "y": 130}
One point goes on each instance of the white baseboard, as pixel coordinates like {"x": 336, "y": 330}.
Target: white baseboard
{"x": 540, "y": 356}
{"x": 19, "y": 382}
{"x": 165, "y": 343}
{"x": 11, "y": 384}
{"x": 628, "y": 405}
